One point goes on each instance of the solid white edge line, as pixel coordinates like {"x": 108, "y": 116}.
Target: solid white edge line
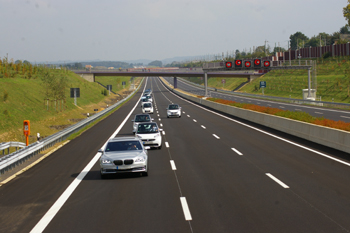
{"x": 185, "y": 208}
{"x": 167, "y": 144}
{"x": 277, "y": 181}
{"x": 264, "y": 132}
{"x": 236, "y": 151}
{"x": 216, "y": 136}
{"x": 50, "y": 214}
{"x": 344, "y": 117}
{"x": 172, "y": 163}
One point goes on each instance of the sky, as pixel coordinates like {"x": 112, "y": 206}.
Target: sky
{"x": 119, "y": 30}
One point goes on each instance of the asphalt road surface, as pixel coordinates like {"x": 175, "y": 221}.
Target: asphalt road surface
{"x": 316, "y": 111}
{"x": 214, "y": 173}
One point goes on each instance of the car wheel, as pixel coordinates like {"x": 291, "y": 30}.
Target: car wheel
{"x": 103, "y": 176}
{"x": 160, "y": 147}
{"x": 145, "y": 174}
{"x": 167, "y": 116}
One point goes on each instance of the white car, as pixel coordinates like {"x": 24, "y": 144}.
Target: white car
{"x": 147, "y": 107}
{"x": 150, "y": 135}
{"x": 144, "y": 101}
{"x": 149, "y": 98}
{"x": 173, "y": 110}
{"x": 139, "y": 118}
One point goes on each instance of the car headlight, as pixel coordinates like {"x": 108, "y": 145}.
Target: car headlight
{"x": 106, "y": 161}
{"x": 140, "y": 159}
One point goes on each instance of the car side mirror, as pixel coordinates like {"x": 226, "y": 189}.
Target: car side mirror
{"x": 132, "y": 120}
{"x": 147, "y": 147}
{"x": 100, "y": 150}
{"x": 152, "y": 119}
{"x": 160, "y": 130}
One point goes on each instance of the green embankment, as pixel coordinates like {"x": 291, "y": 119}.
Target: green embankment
{"x": 333, "y": 81}
{"x": 24, "y": 99}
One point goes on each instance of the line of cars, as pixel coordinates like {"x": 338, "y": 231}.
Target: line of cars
{"x": 129, "y": 154}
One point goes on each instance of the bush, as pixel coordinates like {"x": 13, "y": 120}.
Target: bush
{"x": 326, "y": 55}
{"x": 6, "y": 95}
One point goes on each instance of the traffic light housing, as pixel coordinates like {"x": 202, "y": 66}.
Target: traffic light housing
{"x": 238, "y": 63}
{"x": 247, "y": 64}
{"x": 267, "y": 64}
{"x": 257, "y": 63}
{"x": 228, "y": 65}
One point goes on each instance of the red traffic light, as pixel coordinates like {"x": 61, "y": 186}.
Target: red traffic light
{"x": 267, "y": 63}
{"x": 228, "y": 64}
{"x": 257, "y": 63}
{"x": 247, "y": 64}
{"x": 238, "y": 63}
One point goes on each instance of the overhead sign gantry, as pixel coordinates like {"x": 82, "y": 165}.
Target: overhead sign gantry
{"x": 255, "y": 64}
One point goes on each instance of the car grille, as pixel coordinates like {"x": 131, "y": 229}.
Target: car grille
{"x": 148, "y": 140}
{"x": 118, "y": 162}
{"x": 128, "y": 161}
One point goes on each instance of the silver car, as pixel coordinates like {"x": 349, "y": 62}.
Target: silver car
{"x": 173, "y": 110}
{"x": 124, "y": 154}
{"x": 139, "y": 118}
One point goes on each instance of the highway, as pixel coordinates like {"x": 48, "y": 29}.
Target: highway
{"x": 316, "y": 111}
{"x": 214, "y": 173}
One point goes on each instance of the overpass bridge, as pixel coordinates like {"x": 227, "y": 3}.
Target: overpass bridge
{"x": 188, "y": 72}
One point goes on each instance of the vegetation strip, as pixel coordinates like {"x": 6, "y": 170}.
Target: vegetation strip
{"x": 299, "y": 116}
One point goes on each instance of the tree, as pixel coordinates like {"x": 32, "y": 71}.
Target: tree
{"x": 156, "y": 63}
{"x": 344, "y": 30}
{"x": 296, "y": 40}
{"x": 346, "y": 13}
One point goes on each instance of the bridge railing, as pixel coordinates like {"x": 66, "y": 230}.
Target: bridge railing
{"x": 10, "y": 161}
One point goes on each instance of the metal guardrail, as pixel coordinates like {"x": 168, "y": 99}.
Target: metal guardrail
{"x": 7, "y": 145}
{"x": 275, "y": 98}
{"x": 12, "y": 160}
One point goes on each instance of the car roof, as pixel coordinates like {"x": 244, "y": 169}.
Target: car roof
{"x": 120, "y": 139}
{"x": 142, "y": 114}
{"x": 147, "y": 123}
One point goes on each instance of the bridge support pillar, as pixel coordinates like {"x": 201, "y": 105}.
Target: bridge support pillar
{"x": 88, "y": 77}
{"x": 175, "y": 82}
{"x": 206, "y": 83}
{"x": 252, "y": 77}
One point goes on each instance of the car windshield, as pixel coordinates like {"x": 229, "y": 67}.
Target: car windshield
{"x": 123, "y": 145}
{"x": 148, "y": 97}
{"x": 173, "y": 107}
{"x": 142, "y": 118}
{"x": 148, "y": 105}
{"x": 147, "y": 128}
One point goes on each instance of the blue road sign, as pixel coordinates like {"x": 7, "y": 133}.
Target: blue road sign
{"x": 262, "y": 84}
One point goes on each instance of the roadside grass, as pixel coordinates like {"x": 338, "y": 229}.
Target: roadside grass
{"x": 299, "y": 116}
{"x": 333, "y": 81}
{"x": 23, "y": 99}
